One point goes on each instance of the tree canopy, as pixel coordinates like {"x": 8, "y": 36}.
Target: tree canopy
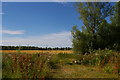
{"x": 98, "y": 31}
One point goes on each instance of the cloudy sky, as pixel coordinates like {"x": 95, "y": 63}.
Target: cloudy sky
{"x": 45, "y": 24}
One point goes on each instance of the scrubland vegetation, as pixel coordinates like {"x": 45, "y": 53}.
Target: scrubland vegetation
{"x": 99, "y": 64}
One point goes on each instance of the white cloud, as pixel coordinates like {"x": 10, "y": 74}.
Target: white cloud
{"x": 62, "y": 39}
{"x": 12, "y": 32}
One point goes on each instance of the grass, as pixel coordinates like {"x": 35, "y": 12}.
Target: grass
{"x": 25, "y": 65}
{"x": 20, "y": 64}
{"x": 81, "y": 71}
{"x": 38, "y": 51}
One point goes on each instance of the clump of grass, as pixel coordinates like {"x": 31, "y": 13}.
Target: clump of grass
{"x": 54, "y": 61}
{"x": 108, "y": 69}
{"x": 66, "y": 55}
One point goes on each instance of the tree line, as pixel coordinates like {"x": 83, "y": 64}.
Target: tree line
{"x": 32, "y": 48}
{"x": 101, "y": 27}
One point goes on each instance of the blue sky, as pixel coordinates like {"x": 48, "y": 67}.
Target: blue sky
{"x": 40, "y": 18}
{"x": 46, "y": 23}
{"x": 60, "y": 0}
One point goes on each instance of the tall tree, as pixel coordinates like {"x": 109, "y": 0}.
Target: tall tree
{"x": 115, "y": 27}
{"x": 92, "y": 15}
{"x": 81, "y": 40}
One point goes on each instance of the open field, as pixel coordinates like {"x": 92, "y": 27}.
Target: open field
{"x": 37, "y": 51}
{"x": 22, "y": 65}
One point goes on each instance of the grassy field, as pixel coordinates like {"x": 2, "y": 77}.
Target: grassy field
{"x": 105, "y": 64}
{"x": 38, "y": 51}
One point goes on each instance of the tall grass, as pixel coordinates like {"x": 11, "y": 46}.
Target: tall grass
{"x": 41, "y": 65}
{"x": 107, "y": 59}
{"x": 25, "y": 65}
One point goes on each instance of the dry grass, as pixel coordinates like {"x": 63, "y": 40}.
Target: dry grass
{"x": 38, "y": 51}
{"x": 81, "y": 71}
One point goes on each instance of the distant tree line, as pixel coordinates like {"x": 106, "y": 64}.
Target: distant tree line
{"x": 32, "y": 48}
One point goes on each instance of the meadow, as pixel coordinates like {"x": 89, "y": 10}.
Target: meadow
{"x": 38, "y": 51}
{"x": 99, "y": 64}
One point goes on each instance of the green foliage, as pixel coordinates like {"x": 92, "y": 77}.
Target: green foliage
{"x": 66, "y": 55}
{"x": 103, "y": 35}
{"x": 6, "y": 65}
{"x": 97, "y": 32}
{"x": 115, "y": 27}
{"x": 54, "y": 61}
{"x": 93, "y": 13}
{"x": 81, "y": 41}
{"x": 108, "y": 69}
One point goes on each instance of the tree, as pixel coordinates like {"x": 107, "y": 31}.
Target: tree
{"x": 81, "y": 40}
{"x": 103, "y": 35}
{"x": 108, "y": 33}
{"x": 92, "y": 15}
{"x": 115, "y": 27}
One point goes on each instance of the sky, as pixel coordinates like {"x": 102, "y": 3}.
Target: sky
{"x": 44, "y": 24}
{"x": 0, "y": 22}
{"x": 60, "y": 0}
